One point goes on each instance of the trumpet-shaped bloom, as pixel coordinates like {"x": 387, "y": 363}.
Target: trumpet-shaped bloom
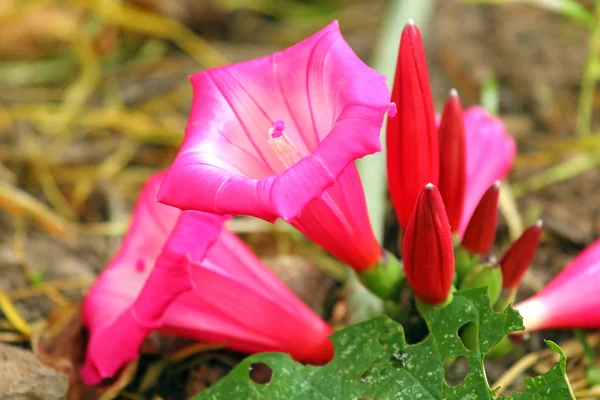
{"x": 412, "y": 142}
{"x": 277, "y": 137}
{"x": 427, "y": 250}
{"x": 186, "y": 274}
{"x": 571, "y": 299}
{"x": 490, "y": 155}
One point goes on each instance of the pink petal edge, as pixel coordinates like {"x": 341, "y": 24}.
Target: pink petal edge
{"x": 571, "y": 299}
{"x": 333, "y": 107}
{"x": 490, "y": 155}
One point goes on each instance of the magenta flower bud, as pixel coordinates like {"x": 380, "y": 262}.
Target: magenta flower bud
{"x": 427, "y": 250}
{"x": 453, "y": 176}
{"x": 517, "y": 258}
{"x": 481, "y": 231}
{"x": 412, "y": 142}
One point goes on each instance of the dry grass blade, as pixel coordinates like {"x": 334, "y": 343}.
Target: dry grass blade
{"x": 13, "y": 315}
{"x": 137, "y": 125}
{"x": 553, "y": 153}
{"x": 13, "y": 337}
{"x": 138, "y": 20}
{"x": 125, "y": 377}
{"x": 111, "y": 166}
{"x": 81, "y": 89}
{"x": 592, "y": 393}
{"x": 558, "y": 173}
{"x": 193, "y": 349}
{"x": 16, "y": 201}
{"x": 42, "y": 288}
{"x": 509, "y": 210}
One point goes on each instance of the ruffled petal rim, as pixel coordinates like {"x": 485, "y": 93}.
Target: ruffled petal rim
{"x": 361, "y": 101}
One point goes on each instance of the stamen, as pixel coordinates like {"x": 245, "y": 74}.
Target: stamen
{"x": 282, "y": 145}
{"x": 392, "y": 110}
{"x": 277, "y": 129}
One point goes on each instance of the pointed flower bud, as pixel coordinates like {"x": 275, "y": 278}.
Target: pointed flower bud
{"x": 427, "y": 250}
{"x": 517, "y": 258}
{"x": 453, "y": 176}
{"x": 481, "y": 231}
{"x": 412, "y": 142}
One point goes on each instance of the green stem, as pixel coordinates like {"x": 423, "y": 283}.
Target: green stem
{"x": 507, "y": 298}
{"x": 588, "y": 82}
{"x": 464, "y": 262}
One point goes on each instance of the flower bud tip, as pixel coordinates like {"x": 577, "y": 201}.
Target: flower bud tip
{"x": 430, "y": 186}
{"x": 453, "y": 92}
{"x": 497, "y": 185}
{"x": 539, "y": 223}
{"x": 411, "y": 21}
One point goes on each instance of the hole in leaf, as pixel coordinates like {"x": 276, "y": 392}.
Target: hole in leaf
{"x": 455, "y": 370}
{"x": 468, "y": 334}
{"x": 260, "y": 373}
{"x": 399, "y": 359}
{"x": 416, "y": 329}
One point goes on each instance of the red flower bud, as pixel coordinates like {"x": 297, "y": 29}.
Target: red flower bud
{"x": 481, "y": 231}
{"x": 427, "y": 250}
{"x": 517, "y": 258}
{"x": 453, "y": 176}
{"x": 412, "y": 142}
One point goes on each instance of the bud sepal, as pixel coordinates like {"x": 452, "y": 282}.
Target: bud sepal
{"x": 384, "y": 279}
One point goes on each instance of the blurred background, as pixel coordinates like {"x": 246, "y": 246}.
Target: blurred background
{"x": 94, "y": 98}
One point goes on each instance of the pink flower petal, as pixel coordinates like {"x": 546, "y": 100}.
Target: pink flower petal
{"x": 332, "y": 106}
{"x": 205, "y": 285}
{"x": 490, "y": 155}
{"x": 571, "y": 299}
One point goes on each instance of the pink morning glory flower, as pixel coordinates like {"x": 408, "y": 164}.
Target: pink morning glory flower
{"x": 184, "y": 273}
{"x": 571, "y": 299}
{"x": 277, "y": 137}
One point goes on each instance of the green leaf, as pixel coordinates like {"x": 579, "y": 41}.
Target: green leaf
{"x": 552, "y": 385}
{"x": 373, "y": 361}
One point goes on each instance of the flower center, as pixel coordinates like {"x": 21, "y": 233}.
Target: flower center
{"x": 282, "y": 145}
